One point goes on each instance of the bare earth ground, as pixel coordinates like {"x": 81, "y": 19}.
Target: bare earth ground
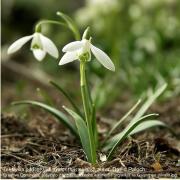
{"x": 43, "y": 148}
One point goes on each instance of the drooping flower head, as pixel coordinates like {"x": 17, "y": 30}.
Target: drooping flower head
{"x": 40, "y": 46}
{"x": 81, "y": 50}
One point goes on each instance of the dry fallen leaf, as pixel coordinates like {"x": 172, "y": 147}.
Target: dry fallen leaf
{"x": 157, "y": 166}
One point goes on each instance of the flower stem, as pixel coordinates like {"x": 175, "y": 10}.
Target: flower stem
{"x": 38, "y": 25}
{"x": 87, "y": 110}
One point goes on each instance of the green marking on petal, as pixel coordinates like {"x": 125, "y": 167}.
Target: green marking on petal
{"x": 36, "y": 46}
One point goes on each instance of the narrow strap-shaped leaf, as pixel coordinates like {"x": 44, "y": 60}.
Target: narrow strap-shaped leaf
{"x": 139, "y": 115}
{"x": 58, "y": 87}
{"x": 112, "y": 141}
{"x": 147, "y": 124}
{"x": 148, "y": 103}
{"x": 151, "y": 123}
{"x": 71, "y": 24}
{"x": 123, "y": 118}
{"x": 94, "y": 125}
{"x": 58, "y": 114}
{"x": 83, "y": 134}
{"x": 124, "y": 135}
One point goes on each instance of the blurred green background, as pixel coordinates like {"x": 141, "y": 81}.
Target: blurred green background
{"x": 141, "y": 36}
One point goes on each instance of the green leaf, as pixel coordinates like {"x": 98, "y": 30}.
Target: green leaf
{"x": 94, "y": 125}
{"x": 58, "y": 87}
{"x": 112, "y": 141}
{"x": 148, "y": 103}
{"x": 129, "y": 131}
{"x": 61, "y": 117}
{"x": 123, "y": 118}
{"x": 146, "y": 125}
{"x": 71, "y": 24}
{"x": 83, "y": 134}
{"x": 151, "y": 123}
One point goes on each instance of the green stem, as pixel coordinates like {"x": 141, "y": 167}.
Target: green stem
{"x": 83, "y": 90}
{"x": 88, "y": 93}
{"x": 87, "y": 111}
{"x": 38, "y": 25}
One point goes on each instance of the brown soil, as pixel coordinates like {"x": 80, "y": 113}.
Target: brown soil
{"x": 40, "y": 147}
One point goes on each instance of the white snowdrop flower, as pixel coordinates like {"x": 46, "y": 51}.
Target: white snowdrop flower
{"x": 81, "y": 50}
{"x": 40, "y": 45}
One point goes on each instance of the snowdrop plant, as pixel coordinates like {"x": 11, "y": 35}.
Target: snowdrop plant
{"x": 81, "y": 50}
{"x": 84, "y": 125}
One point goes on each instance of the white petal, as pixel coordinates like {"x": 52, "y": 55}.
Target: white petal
{"x": 39, "y": 54}
{"x": 49, "y": 46}
{"x": 18, "y": 44}
{"x": 103, "y": 58}
{"x": 73, "y": 46}
{"x": 68, "y": 57}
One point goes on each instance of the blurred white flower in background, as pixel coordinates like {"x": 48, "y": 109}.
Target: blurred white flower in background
{"x": 104, "y": 5}
{"x": 147, "y": 43}
{"x": 168, "y": 24}
{"x": 135, "y": 11}
{"x": 150, "y": 3}
{"x": 95, "y": 9}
